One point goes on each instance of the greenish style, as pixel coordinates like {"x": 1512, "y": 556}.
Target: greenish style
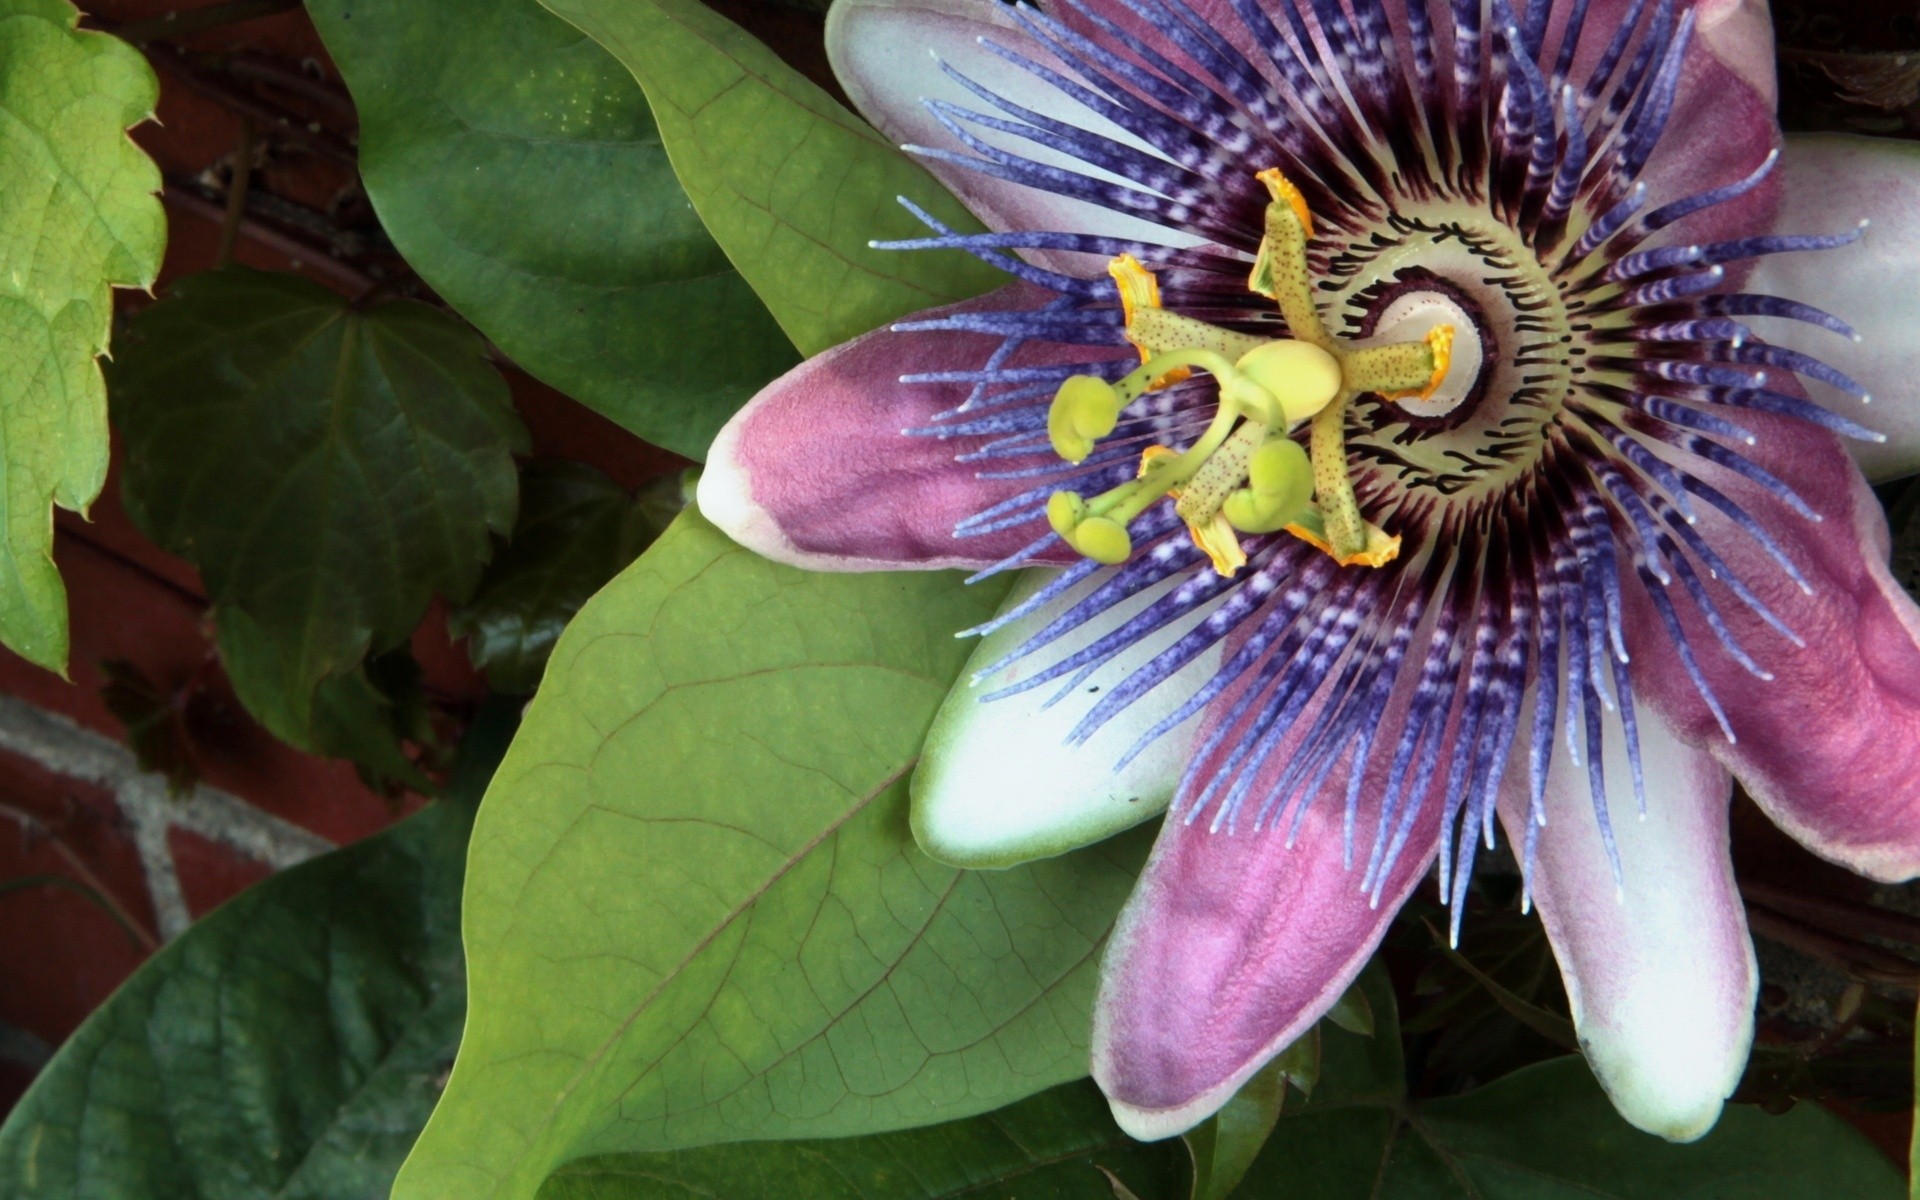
{"x": 328, "y": 469}
{"x": 792, "y": 185}
{"x": 290, "y": 1044}
{"x": 1059, "y": 1145}
{"x": 517, "y": 167}
{"x": 694, "y": 910}
{"x": 1545, "y": 1132}
{"x": 576, "y": 530}
{"x": 79, "y": 215}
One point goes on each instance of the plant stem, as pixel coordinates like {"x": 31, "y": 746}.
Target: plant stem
{"x": 34, "y": 825}
{"x": 237, "y": 183}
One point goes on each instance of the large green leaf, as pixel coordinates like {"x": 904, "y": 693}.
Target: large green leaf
{"x": 328, "y": 469}
{"x": 516, "y": 166}
{"x": 1059, "y": 1145}
{"x": 78, "y": 214}
{"x": 576, "y": 530}
{"x": 695, "y": 912}
{"x": 791, "y": 184}
{"x": 290, "y": 1044}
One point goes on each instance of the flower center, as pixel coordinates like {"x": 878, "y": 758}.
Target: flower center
{"x": 1246, "y": 473}
{"x": 1517, "y": 354}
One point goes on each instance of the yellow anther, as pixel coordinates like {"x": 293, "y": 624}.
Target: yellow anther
{"x": 1140, "y": 292}
{"x": 1138, "y": 288}
{"x": 1211, "y": 532}
{"x": 1439, "y": 341}
{"x": 1300, "y": 375}
{"x": 1281, "y": 188}
{"x": 1084, "y": 410}
{"x": 1216, "y": 538}
{"x": 1380, "y": 548}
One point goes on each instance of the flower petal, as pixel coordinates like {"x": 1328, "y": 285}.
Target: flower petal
{"x": 1659, "y": 968}
{"x": 1232, "y": 946}
{"x": 1830, "y": 183}
{"x": 815, "y": 470}
{"x": 997, "y": 783}
{"x": 1740, "y": 34}
{"x": 879, "y": 49}
{"x": 1830, "y": 747}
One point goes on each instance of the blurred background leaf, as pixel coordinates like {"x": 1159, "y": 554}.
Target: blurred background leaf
{"x": 792, "y": 185}
{"x": 328, "y": 469}
{"x": 77, "y": 214}
{"x": 289, "y": 1044}
{"x": 577, "y": 529}
{"x": 517, "y": 168}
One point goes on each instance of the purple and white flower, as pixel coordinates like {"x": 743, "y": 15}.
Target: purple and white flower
{"x": 1635, "y": 559}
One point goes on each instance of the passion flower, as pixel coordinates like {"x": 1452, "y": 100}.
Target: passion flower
{"x": 1389, "y": 379}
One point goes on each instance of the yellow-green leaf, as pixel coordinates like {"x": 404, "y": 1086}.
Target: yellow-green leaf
{"x": 694, "y": 911}
{"x": 78, "y": 216}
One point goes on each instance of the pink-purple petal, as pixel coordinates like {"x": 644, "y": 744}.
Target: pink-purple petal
{"x": 1233, "y": 944}
{"x": 817, "y": 472}
{"x": 1830, "y": 183}
{"x": 1659, "y": 967}
{"x": 1830, "y": 747}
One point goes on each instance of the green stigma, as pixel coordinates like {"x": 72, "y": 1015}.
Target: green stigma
{"x": 1247, "y": 473}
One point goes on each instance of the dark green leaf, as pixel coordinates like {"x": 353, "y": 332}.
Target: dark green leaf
{"x": 77, "y": 214}
{"x": 577, "y": 529}
{"x": 516, "y": 166}
{"x": 348, "y": 716}
{"x": 1545, "y": 1132}
{"x": 327, "y": 469}
{"x": 696, "y": 913}
{"x": 1224, "y": 1146}
{"x": 791, "y": 184}
{"x": 290, "y": 1044}
{"x": 1058, "y": 1145}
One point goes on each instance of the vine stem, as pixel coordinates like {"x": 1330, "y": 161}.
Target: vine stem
{"x": 34, "y": 825}
{"x": 237, "y": 183}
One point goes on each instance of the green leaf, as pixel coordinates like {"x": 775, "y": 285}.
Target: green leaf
{"x": 791, "y": 184}
{"x": 1224, "y": 1146}
{"x": 289, "y": 1044}
{"x": 1545, "y": 1132}
{"x": 1059, "y": 1145}
{"x": 695, "y": 911}
{"x": 328, "y": 470}
{"x": 78, "y": 215}
{"x": 346, "y": 716}
{"x": 577, "y": 529}
{"x": 516, "y": 166}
